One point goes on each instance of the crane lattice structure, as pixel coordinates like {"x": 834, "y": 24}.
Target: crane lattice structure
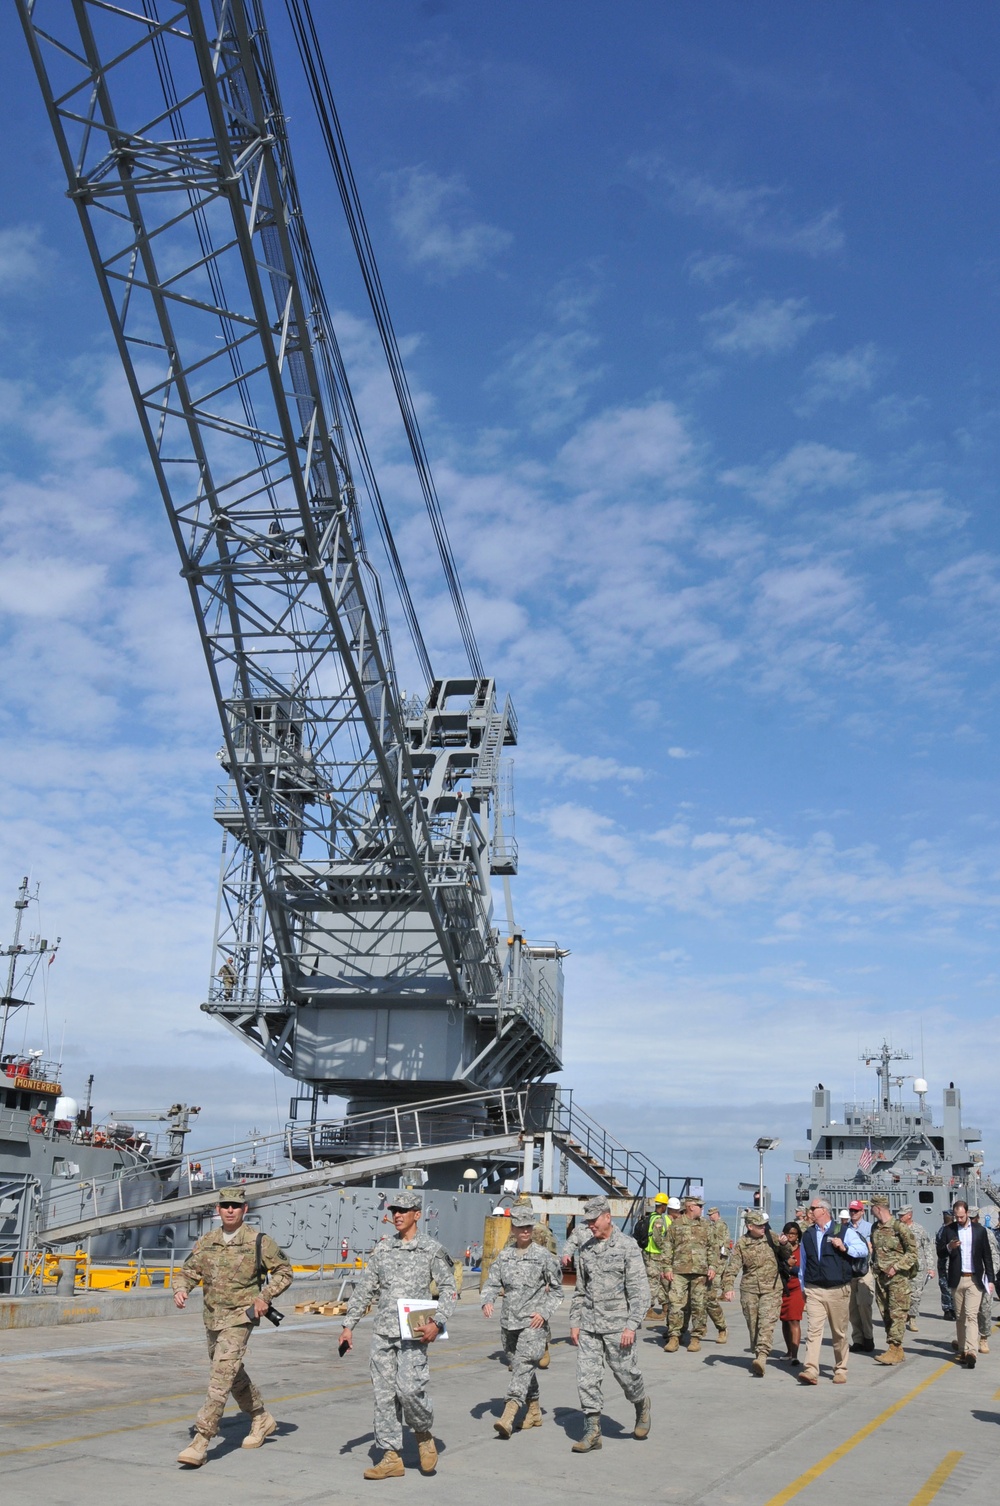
{"x": 355, "y": 946}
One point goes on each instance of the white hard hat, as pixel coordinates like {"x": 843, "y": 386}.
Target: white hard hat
{"x": 673, "y": 1202}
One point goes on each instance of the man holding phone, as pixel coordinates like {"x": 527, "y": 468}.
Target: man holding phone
{"x": 970, "y": 1274}
{"x": 402, "y": 1266}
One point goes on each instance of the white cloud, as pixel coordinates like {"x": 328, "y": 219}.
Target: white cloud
{"x": 433, "y": 217}
{"x": 888, "y": 516}
{"x": 680, "y": 753}
{"x": 551, "y": 375}
{"x": 807, "y": 468}
{"x": 24, "y": 258}
{"x": 710, "y": 268}
{"x": 766, "y": 327}
{"x": 623, "y": 447}
{"x": 758, "y": 215}
{"x": 838, "y": 378}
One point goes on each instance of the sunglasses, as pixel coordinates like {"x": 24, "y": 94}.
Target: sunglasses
{"x": 232, "y": 1205}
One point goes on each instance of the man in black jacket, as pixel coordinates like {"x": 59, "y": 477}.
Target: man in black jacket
{"x": 970, "y": 1273}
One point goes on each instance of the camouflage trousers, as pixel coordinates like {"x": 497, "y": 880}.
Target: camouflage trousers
{"x": 917, "y": 1291}
{"x": 226, "y": 1348}
{"x": 659, "y": 1286}
{"x": 524, "y": 1347}
{"x": 892, "y": 1293}
{"x": 593, "y": 1351}
{"x": 399, "y": 1373}
{"x": 685, "y": 1290}
{"x": 713, "y": 1302}
{"x": 986, "y": 1316}
{"x": 760, "y": 1309}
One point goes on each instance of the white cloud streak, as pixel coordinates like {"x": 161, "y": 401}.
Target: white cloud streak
{"x": 433, "y": 217}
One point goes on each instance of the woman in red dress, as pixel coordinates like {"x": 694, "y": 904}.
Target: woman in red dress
{"x": 794, "y": 1300}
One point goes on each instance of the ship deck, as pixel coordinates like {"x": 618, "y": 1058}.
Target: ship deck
{"x": 99, "y": 1412}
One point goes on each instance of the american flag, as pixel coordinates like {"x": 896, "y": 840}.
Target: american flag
{"x": 867, "y": 1158}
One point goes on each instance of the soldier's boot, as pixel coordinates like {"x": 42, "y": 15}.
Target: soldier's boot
{"x": 892, "y": 1356}
{"x": 387, "y": 1467}
{"x": 533, "y": 1416}
{"x": 543, "y": 1363}
{"x": 263, "y": 1425}
{"x": 757, "y": 1364}
{"x": 592, "y": 1437}
{"x": 427, "y": 1450}
{"x": 722, "y": 1335}
{"x": 504, "y": 1424}
{"x": 643, "y": 1409}
{"x": 911, "y": 1324}
{"x": 651, "y": 1313}
{"x": 672, "y": 1344}
{"x": 694, "y": 1344}
{"x": 196, "y": 1451}
{"x": 984, "y": 1346}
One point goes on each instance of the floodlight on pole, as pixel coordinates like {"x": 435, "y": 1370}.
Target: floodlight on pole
{"x": 763, "y": 1145}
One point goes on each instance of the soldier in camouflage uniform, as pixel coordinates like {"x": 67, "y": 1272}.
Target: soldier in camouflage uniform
{"x": 531, "y": 1282}
{"x": 985, "y": 1314}
{"x": 612, "y": 1294}
{"x": 689, "y": 1269}
{"x": 722, "y": 1243}
{"x": 402, "y": 1265}
{"x": 653, "y": 1255}
{"x": 543, "y": 1236}
{"x": 224, "y": 1264}
{"x": 895, "y": 1258}
{"x": 927, "y": 1263}
{"x": 760, "y": 1288}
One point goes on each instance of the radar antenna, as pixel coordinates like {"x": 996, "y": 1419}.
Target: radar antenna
{"x": 882, "y": 1058}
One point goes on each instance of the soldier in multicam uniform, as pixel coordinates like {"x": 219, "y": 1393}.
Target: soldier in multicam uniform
{"x": 927, "y": 1263}
{"x": 612, "y": 1293}
{"x": 722, "y": 1243}
{"x": 653, "y": 1255}
{"x": 531, "y": 1282}
{"x": 895, "y": 1258}
{"x": 985, "y": 1315}
{"x": 689, "y": 1269}
{"x": 224, "y": 1263}
{"x": 403, "y": 1265}
{"x": 761, "y": 1286}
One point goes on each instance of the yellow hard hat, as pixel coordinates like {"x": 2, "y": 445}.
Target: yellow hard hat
{"x": 661, "y": 1197}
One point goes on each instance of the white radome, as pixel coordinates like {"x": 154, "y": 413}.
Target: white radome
{"x": 66, "y": 1108}
{"x": 919, "y": 1085}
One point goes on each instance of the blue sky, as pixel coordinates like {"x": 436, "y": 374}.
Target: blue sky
{"x": 700, "y": 305}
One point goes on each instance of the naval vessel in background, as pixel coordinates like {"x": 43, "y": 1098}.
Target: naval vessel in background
{"x": 892, "y": 1146}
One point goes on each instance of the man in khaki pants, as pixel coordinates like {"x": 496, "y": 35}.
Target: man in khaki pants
{"x": 825, "y": 1256}
{"x": 970, "y": 1273}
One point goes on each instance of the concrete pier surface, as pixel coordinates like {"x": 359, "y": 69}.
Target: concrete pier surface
{"x": 97, "y": 1414}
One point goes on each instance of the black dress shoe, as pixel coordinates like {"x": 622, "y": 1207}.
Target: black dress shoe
{"x": 969, "y": 1361}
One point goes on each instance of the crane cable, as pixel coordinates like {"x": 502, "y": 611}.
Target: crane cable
{"x": 314, "y": 66}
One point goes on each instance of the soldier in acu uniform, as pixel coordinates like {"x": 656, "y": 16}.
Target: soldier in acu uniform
{"x": 895, "y": 1258}
{"x": 531, "y": 1282}
{"x": 689, "y": 1269}
{"x": 612, "y": 1293}
{"x": 927, "y": 1263}
{"x": 224, "y": 1264}
{"x": 402, "y": 1265}
{"x": 721, "y": 1245}
{"x": 543, "y": 1236}
{"x": 761, "y": 1286}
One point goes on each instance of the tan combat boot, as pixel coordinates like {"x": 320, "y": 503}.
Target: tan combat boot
{"x": 912, "y": 1325}
{"x": 533, "y": 1416}
{"x": 722, "y": 1335}
{"x": 387, "y": 1468}
{"x": 984, "y": 1346}
{"x": 757, "y": 1364}
{"x": 694, "y": 1344}
{"x": 592, "y": 1437}
{"x": 543, "y": 1363}
{"x": 427, "y": 1449}
{"x": 263, "y": 1425}
{"x": 672, "y": 1344}
{"x": 892, "y": 1356}
{"x": 504, "y": 1424}
{"x": 643, "y": 1410}
{"x": 196, "y": 1451}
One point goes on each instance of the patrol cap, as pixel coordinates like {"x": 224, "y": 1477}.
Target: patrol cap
{"x": 880, "y": 1200}
{"x": 405, "y": 1201}
{"x": 907, "y": 1208}
{"x": 692, "y": 1197}
{"x": 975, "y": 1212}
{"x": 523, "y": 1218}
{"x": 232, "y": 1195}
{"x": 661, "y": 1198}
{"x": 594, "y": 1207}
{"x": 856, "y": 1207}
{"x": 713, "y": 1209}
{"x": 674, "y": 1204}
{"x": 756, "y": 1219}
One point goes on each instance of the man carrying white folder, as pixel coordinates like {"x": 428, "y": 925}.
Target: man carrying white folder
{"x": 400, "y": 1269}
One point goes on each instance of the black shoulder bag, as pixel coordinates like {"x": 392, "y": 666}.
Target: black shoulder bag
{"x": 260, "y": 1271}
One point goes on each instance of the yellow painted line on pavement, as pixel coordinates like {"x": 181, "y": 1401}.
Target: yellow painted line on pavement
{"x": 933, "y": 1483}
{"x": 167, "y": 1422}
{"x": 834, "y": 1457}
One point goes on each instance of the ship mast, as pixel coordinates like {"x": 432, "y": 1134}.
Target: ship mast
{"x": 36, "y": 947}
{"x": 882, "y": 1057}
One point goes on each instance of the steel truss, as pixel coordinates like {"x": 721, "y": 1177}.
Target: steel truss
{"x": 172, "y": 136}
